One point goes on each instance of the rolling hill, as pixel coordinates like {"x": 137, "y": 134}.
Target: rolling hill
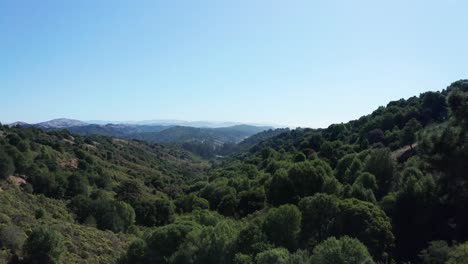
{"x": 156, "y": 133}
{"x": 389, "y": 187}
{"x": 216, "y": 136}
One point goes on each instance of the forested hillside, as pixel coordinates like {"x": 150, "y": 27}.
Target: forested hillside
{"x": 206, "y": 142}
{"x": 76, "y": 185}
{"x": 390, "y": 187}
{"x": 112, "y": 130}
{"x": 217, "y": 136}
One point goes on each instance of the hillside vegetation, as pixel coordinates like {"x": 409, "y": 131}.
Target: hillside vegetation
{"x": 202, "y": 141}
{"x": 217, "y": 136}
{"x": 77, "y": 185}
{"x": 390, "y": 187}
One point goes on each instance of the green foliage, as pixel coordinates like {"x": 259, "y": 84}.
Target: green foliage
{"x": 130, "y": 191}
{"x": 280, "y": 188}
{"x": 375, "y": 136}
{"x": 208, "y": 245}
{"x": 444, "y": 147}
{"x": 136, "y": 253}
{"x": 344, "y": 250}
{"x": 353, "y": 171}
{"x": 300, "y": 257}
{"x": 216, "y": 191}
{"x": 381, "y": 164}
{"x": 251, "y": 201}
{"x": 252, "y": 240}
{"x": 360, "y": 192}
{"x": 325, "y": 215}
{"x": 408, "y": 135}
{"x": 343, "y": 164}
{"x": 190, "y": 202}
{"x": 434, "y": 106}
{"x": 332, "y": 151}
{"x": 83, "y": 244}
{"x": 12, "y": 237}
{"x": 417, "y": 210}
{"x": 109, "y": 214}
{"x": 318, "y": 217}
{"x": 367, "y": 180}
{"x": 165, "y": 241}
{"x": 356, "y": 179}
{"x": 458, "y": 103}
{"x": 77, "y": 184}
{"x": 160, "y": 245}
{"x": 115, "y": 215}
{"x": 300, "y": 157}
{"x": 44, "y": 245}
{"x": 203, "y": 217}
{"x": 228, "y": 205}
{"x": 459, "y": 255}
{"x": 7, "y": 167}
{"x": 368, "y": 223}
{"x": 436, "y": 253}
{"x": 274, "y": 256}
{"x": 155, "y": 212}
{"x": 240, "y": 258}
{"x": 282, "y": 225}
{"x": 309, "y": 177}
{"x": 39, "y": 213}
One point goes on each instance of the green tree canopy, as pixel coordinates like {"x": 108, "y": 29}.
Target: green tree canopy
{"x": 251, "y": 201}
{"x": 309, "y": 177}
{"x": 280, "y": 188}
{"x": 12, "y": 237}
{"x": 344, "y": 250}
{"x": 381, "y": 164}
{"x": 252, "y": 240}
{"x": 44, "y": 246}
{"x": 155, "y": 212}
{"x": 209, "y": 245}
{"x": 318, "y": 217}
{"x": 7, "y": 167}
{"x": 274, "y": 256}
{"x": 282, "y": 225}
{"x": 459, "y": 255}
{"x": 117, "y": 216}
{"x": 366, "y": 222}
{"x": 408, "y": 135}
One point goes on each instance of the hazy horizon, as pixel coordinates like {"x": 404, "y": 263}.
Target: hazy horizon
{"x": 308, "y": 64}
{"x": 213, "y": 123}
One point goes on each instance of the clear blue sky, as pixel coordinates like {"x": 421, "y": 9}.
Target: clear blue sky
{"x": 297, "y": 63}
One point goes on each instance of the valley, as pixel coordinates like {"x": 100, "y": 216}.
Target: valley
{"x": 389, "y": 187}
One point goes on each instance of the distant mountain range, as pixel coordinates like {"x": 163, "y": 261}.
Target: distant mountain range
{"x": 66, "y": 122}
{"x": 58, "y": 123}
{"x": 61, "y": 123}
{"x": 158, "y": 131}
{"x": 170, "y": 122}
